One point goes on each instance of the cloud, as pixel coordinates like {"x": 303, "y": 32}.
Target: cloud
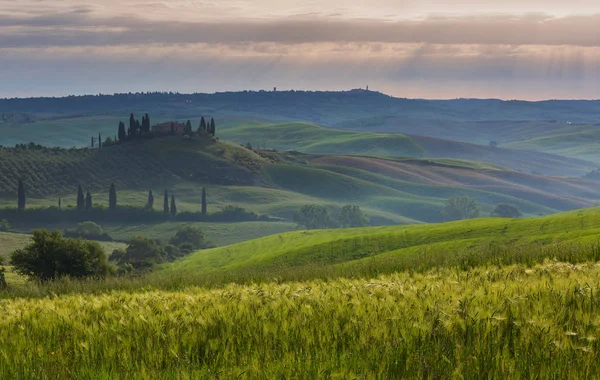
{"x": 80, "y": 28}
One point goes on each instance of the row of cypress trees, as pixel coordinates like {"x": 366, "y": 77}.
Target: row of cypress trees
{"x": 85, "y": 202}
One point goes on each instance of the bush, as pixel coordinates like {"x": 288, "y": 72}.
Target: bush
{"x": 505, "y": 210}
{"x": 88, "y": 230}
{"x": 192, "y": 237}
{"x": 4, "y": 225}
{"x": 459, "y": 208}
{"x": 49, "y": 256}
{"x": 142, "y": 254}
{"x": 314, "y": 217}
{"x": 352, "y": 216}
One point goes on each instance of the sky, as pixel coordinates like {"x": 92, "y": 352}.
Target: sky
{"x": 437, "y": 49}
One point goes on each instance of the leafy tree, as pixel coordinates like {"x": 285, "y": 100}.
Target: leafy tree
{"x": 352, "y": 216}
{"x": 21, "y": 196}
{"x": 505, "y": 210}
{"x": 112, "y": 197}
{"x": 204, "y": 205}
{"x": 122, "y": 133}
{"x": 49, "y": 256}
{"x": 88, "y": 230}
{"x": 150, "y": 203}
{"x": 166, "y": 203}
{"x": 143, "y": 253}
{"x": 190, "y": 236}
{"x": 202, "y": 125}
{"x": 313, "y": 217}
{"x": 80, "y": 199}
{"x": 173, "y": 206}
{"x": 88, "y": 201}
{"x": 460, "y": 207}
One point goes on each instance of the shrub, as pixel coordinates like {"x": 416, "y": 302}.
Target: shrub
{"x": 191, "y": 237}
{"x": 88, "y": 230}
{"x": 4, "y": 225}
{"x": 459, "y": 208}
{"x": 50, "y": 256}
{"x": 352, "y": 216}
{"x": 142, "y": 254}
{"x": 505, "y": 210}
{"x": 314, "y": 217}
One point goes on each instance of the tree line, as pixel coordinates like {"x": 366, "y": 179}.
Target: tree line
{"x": 136, "y": 129}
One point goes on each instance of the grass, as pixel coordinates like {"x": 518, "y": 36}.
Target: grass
{"x": 491, "y": 298}
{"x": 511, "y": 322}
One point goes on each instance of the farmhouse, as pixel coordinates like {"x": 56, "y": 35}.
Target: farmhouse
{"x": 169, "y": 127}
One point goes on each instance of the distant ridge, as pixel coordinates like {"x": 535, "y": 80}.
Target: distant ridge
{"x": 323, "y": 107}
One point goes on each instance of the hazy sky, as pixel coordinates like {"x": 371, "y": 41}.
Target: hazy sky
{"x": 527, "y": 49}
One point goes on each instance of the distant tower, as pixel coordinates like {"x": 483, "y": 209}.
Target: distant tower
{"x": 367, "y": 87}
{"x": 274, "y": 89}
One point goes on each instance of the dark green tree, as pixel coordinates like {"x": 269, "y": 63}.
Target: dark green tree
{"x": 49, "y": 257}
{"x": 204, "y": 208}
{"x": 460, "y": 208}
{"x": 147, "y": 123}
{"x": 352, "y": 216}
{"x": 80, "y": 199}
{"x": 88, "y": 201}
{"x": 173, "y": 206}
{"x": 59, "y": 203}
{"x": 506, "y": 210}
{"x": 166, "y": 203}
{"x": 142, "y": 253}
{"x": 188, "y": 127}
{"x": 313, "y": 217}
{"x": 202, "y": 125}
{"x": 21, "y": 196}
{"x": 131, "y": 130}
{"x": 122, "y": 133}
{"x": 212, "y": 127}
{"x": 99, "y": 141}
{"x": 189, "y": 236}
{"x": 150, "y": 203}
{"x": 112, "y": 197}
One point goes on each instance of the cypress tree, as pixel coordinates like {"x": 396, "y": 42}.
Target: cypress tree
{"x": 80, "y": 199}
{"x": 138, "y": 128}
{"x": 212, "y": 127}
{"x": 188, "y": 127}
{"x": 112, "y": 197}
{"x": 166, "y": 203}
{"x": 147, "y": 123}
{"x": 202, "y": 125}
{"x": 150, "y": 203}
{"x": 203, "y": 201}
{"x": 88, "y": 201}
{"x": 122, "y": 133}
{"x": 59, "y": 204}
{"x": 92, "y": 141}
{"x": 131, "y": 130}
{"x": 21, "y": 196}
{"x": 99, "y": 141}
{"x": 173, "y": 206}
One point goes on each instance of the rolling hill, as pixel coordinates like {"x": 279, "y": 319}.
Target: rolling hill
{"x": 391, "y": 190}
{"x": 311, "y": 138}
{"x": 398, "y": 248}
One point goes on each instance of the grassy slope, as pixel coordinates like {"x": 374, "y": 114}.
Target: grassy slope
{"x": 310, "y": 138}
{"x": 584, "y": 145}
{"x": 331, "y": 247}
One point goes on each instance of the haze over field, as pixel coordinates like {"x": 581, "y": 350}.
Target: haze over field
{"x": 529, "y": 49}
